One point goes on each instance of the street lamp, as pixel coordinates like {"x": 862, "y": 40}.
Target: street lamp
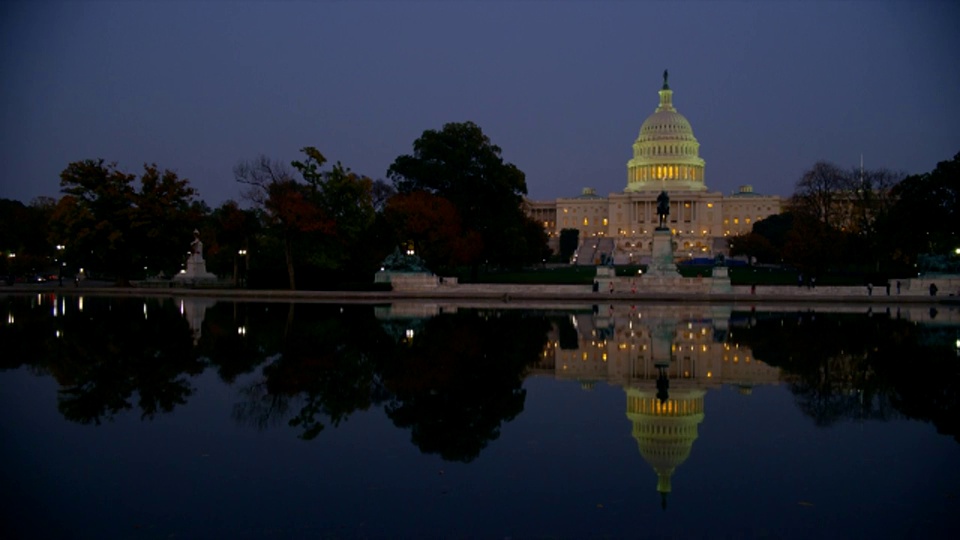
{"x": 246, "y": 266}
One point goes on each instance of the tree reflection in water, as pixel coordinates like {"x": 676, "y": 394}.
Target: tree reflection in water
{"x": 452, "y": 379}
{"x": 454, "y": 383}
{"x": 318, "y": 364}
{"x": 103, "y": 351}
{"x": 855, "y": 366}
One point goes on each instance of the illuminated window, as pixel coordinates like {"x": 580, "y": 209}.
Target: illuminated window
{"x": 604, "y": 222}
{"x": 586, "y": 222}
{"x": 747, "y": 221}
{"x": 736, "y": 221}
{"x": 709, "y": 205}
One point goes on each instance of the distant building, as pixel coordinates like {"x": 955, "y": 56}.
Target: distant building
{"x": 666, "y": 157}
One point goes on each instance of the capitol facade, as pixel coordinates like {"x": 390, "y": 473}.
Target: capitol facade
{"x": 666, "y": 157}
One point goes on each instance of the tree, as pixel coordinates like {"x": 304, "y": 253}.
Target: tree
{"x": 843, "y": 209}
{"x": 818, "y": 192}
{"x": 318, "y": 221}
{"x": 380, "y": 194}
{"x": 344, "y": 200}
{"x": 163, "y": 217}
{"x": 462, "y": 165}
{"x": 754, "y": 246}
{"x": 430, "y": 224}
{"x": 24, "y": 231}
{"x": 812, "y": 245}
{"x": 775, "y": 229}
{"x": 569, "y": 241}
{"x": 925, "y": 215}
{"x": 235, "y": 232}
{"x": 110, "y": 227}
{"x": 287, "y": 206}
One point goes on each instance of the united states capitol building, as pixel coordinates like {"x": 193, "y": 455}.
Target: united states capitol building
{"x": 666, "y": 157}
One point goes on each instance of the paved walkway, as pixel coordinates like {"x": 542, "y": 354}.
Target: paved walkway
{"x": 578, "y": 294}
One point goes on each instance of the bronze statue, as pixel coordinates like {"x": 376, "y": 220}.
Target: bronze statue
{"x": 663, "y": 208}
{"x": 665, "y": 75}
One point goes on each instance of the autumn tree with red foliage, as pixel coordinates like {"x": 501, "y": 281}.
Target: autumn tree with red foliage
{"x": 432, "y": 226}
{"x": 319, "y": 220}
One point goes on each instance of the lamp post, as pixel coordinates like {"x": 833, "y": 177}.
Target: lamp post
{"x": 246, "y": 267}
{"x": 61, "y": 268}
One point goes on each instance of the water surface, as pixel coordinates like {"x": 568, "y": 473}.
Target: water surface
{"x": 190, "y": 418}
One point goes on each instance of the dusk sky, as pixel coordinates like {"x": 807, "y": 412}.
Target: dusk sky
{"x": 562, "y": 87}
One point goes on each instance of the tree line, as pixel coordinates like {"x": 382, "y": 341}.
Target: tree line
{"x": 306, "y": 224}
{"x": 873, "y": 222}
{"x": 453, "y": 201}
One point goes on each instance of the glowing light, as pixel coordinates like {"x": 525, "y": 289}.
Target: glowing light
{"x": 410, "y": 333}
{"x": 241, "y": 330}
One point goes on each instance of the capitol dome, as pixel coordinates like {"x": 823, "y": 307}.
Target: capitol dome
{"x": 666, "y": 155}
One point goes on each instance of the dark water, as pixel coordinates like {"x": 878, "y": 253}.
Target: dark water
{"x": 150, "y": 418}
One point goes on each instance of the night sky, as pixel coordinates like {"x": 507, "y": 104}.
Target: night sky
{"x": 562, "y": 87}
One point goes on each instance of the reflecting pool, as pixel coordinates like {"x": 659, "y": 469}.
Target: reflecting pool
{"x": 125, "y": 417}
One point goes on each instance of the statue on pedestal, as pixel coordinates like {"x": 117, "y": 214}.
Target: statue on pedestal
{"x": 196, "y": 270}
{"x": 663, "y": 209}
{"x": 196, "y": 249}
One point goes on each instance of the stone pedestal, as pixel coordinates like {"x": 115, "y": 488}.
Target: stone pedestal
{"x": 661, "y": 262}
{"x": 195, "y": 273}
{"x": 408, "y": 281}
{"x": 606, "y": 276}
{"x": 720, "y": 282}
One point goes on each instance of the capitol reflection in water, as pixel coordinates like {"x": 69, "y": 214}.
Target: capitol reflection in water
{"x": 665, "y": 357}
